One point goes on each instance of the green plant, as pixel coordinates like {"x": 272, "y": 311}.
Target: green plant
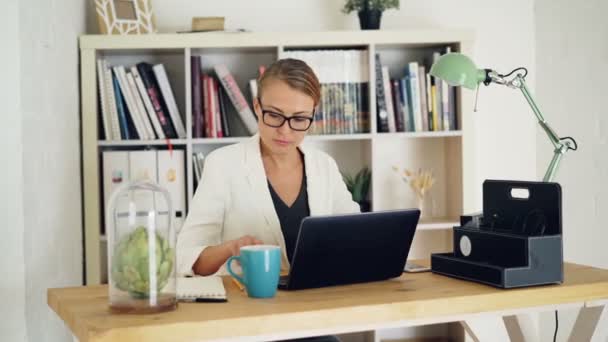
{"x": 131, "y": 264}
{"x": 359, "y": 5}
{"x": 358, "y": 185}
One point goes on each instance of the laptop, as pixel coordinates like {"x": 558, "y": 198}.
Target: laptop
{"x": 351, "y": 248}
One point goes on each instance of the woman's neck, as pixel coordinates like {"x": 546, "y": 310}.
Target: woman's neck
{"x": 285, "y": 161}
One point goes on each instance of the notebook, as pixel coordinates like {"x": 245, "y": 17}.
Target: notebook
{"x": 201, "y": 289}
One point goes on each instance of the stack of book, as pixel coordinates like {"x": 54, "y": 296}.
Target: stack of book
{"x": 344, "y": 78}
{"x": 416, "y": 102}
{"x": 137, "y": 103}
{"x": 210, "y": 92}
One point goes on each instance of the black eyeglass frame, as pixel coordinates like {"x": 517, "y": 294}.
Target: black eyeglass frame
{"x": 286, "y": 118}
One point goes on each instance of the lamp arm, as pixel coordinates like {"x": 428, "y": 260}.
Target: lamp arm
{"x": 560, "y": 145}
{"x": 539, "y": 116}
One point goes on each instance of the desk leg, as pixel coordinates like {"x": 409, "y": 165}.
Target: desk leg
{"x": 523, "y": 327}
{"x": 587, "y": 322}
{"x": 491, "y": 328}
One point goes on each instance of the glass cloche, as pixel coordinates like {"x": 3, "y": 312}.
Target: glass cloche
{"x": 141, "y": 249}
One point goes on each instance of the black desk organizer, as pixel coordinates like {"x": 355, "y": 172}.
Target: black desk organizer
{"x": 515, "y": 242}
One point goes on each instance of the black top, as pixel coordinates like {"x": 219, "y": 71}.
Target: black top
{"x": 291, "y": 217}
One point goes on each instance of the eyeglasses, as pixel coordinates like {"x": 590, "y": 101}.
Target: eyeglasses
{"x": 276, "y": 120}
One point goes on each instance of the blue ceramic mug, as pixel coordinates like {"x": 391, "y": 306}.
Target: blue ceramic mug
{"x": 261, "y": 266}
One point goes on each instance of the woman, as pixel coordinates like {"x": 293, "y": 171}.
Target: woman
{"x": 258, "y": 191}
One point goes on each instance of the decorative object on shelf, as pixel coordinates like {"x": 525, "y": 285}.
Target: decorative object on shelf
{"x": 358, "y": 186}
{"x": 370, "y": 11}
{"x": 141, "y": 249}
{"x": 125, "y": 16}
{"x": 420, "y": 182}
{"x": 203, "y": 24}
{"x": 459, "y": 70}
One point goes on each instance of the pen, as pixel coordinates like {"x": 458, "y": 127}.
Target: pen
{"x": 238, "y": 284}
{"x": 211, "y": 300}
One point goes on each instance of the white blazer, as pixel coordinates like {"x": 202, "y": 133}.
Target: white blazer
{"x": 233, "y": 200}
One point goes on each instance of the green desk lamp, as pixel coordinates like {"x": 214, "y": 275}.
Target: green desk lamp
{"x": 459, "y": 70}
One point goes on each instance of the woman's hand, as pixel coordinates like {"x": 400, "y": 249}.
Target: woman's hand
{"x": 234, "y": 246}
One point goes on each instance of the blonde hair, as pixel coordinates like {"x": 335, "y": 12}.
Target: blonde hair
{"x": 296, "y": 73}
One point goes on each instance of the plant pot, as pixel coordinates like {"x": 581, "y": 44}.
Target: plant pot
{"x": 370, "y": 19}
{"x": 365, "y": 206}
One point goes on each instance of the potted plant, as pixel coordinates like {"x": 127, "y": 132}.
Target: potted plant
{"x": 370, "y": 11}
{"x": 358, "y": 186}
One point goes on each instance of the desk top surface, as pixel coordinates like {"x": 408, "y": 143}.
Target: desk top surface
{"x": 411, "y": 297}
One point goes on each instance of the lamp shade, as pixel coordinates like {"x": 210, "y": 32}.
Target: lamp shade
{"x": 458, "y": 70}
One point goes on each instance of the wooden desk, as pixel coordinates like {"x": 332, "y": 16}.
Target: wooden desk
{"x": 413, "y": 299}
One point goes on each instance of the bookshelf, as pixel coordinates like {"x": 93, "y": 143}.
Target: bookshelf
{"x": 448, "y": 153}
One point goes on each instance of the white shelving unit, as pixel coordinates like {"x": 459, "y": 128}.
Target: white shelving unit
{"x": 449, "y": 154}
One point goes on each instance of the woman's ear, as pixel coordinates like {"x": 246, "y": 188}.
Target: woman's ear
{"x": 257, "y": 108}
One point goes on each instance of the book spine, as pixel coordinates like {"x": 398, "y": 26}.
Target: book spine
{"x": 149, "y": 80}
{"x": 171, "y": 176}
{"x": 382, "y": 114}
{"x": 115, "y": 165}
{"x": 209, "y": 124}
{"x": 167, "y": 92}
{"x": 398, "y": 105}
{"x": 237, "y": 98}
{"x": 128, "y": 97}
{"x": 149, "y": 108}
{"x": 222, "y": 102}
{"x": 216, "y": 108}
{"x": 390, "y": 108}
{"x": 114, "y": 119}
{"x": 407, "y": 107}
{"x": 120, "y": 108}
{"x": 104, "y": 101}
{"x": 423, "y": 101}
{"x": 429, "y": 101}
{"x": 197, "y": 105}
{"x": 139, "y": 107}
{"x": 415, "y": 95}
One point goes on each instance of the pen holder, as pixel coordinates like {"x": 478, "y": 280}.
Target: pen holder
{"x": 515, "y": 242}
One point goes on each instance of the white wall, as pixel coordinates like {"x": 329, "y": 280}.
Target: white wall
{"x": 12, "y": 265}
{"x": 572, "y": 64}
{"x": 51, "y": 163}
{"x": 572, "y": 67}
{"x": 42, "y": 238}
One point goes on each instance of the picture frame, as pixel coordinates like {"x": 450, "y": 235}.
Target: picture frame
{"x": 125, "y": 16}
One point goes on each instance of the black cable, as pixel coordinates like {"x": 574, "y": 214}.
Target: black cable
{"x": 514, "y": 70}
{"x": 573, "y": 142}
{"x": 556, "y": 326}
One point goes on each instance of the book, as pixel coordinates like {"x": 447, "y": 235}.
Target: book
{"x": 112, "y": 102}
{"x": 115, "y": 172}
{"x": 201, "y": 289}
{"x": 197, "y": 104}
{"x": 237, "y": 98}
{"x": 167, "y": 93}
{"x": 382, "y": 110}
{"x": 149, "y": 108}
{"x": 139, "y": 107}
{"x": 121, "y": 111}
{"x": 149, "y": 80}
{"x": 388, "y": 98}
{"x": 128, "y": 97}
{"x": 171, "y": 176}
{"x": 103, "y": 100}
